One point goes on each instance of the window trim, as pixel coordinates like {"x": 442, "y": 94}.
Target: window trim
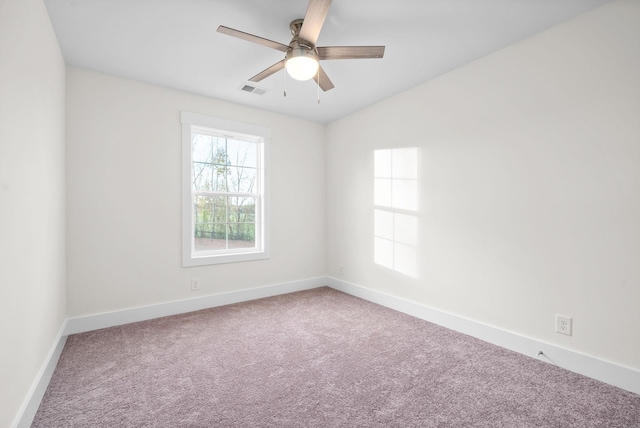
{"x": 256, "y": 132}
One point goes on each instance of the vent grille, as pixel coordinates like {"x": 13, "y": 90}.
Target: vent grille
{"x": 253, "y": 89}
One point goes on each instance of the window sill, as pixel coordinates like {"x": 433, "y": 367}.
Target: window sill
{"x": 190, "y": 261}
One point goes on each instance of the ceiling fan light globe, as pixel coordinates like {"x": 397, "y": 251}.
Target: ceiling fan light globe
{"x": 302, "y": 67}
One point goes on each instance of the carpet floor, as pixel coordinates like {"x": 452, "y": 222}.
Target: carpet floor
{"x": 317, "y": 358}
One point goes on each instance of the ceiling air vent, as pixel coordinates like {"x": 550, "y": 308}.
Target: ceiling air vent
{"x": 253, "y": 89}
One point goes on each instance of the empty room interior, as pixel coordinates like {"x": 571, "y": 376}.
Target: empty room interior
{"x": 476, "y": 167}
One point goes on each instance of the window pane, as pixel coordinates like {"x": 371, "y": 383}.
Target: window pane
{"x": 219, "y": 175}
{"x": 248, "y": 210}
{"x": 215, "y": 241}
{"x": 242, "y": 215}
{"x": 209, "y": 223}
{"x": 242, "y": 153}
{"x": 219, "y": 155}
{"x": 241, "y": 180}
{"x": 201, "y": 148}
{"x": 242, "y": 235}
{"x": 218, "y": 178}
{"x": 209, "y": 209}
{"x": 203, "y": 230}
{"x": 209, "y": 163}
{"x": 202, "y": 212}
{"x": 219, "y": 208}
{"x": 202, "y": 177}
{"x": 242, "y": 209}
{"x": 220, "y": 162}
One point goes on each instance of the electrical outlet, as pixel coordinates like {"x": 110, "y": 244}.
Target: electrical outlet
{"x": 564, "y": 324}
{"x": 341, "y": 270}
{"x": 195, "y": 284}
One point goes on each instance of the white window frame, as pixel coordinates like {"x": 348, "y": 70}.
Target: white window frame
{"x": 260, "y": 134}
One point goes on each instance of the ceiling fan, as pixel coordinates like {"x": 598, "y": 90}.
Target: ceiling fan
{"x": 302, "y": 57}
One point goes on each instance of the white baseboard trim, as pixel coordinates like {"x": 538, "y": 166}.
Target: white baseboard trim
{"x": 143, "y": 313}
{"x": 30, "y": 405}
{"x": 604, "y": 371}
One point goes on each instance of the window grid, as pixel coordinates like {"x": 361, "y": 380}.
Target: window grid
{"x": 222, "y": 227}
{"x": 225, "y": 206}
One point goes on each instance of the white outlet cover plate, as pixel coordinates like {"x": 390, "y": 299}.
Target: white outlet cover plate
{"x": 564, "y": 324}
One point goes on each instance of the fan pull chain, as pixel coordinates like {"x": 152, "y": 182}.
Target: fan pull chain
{"x": 285, "y": 82}
{"x": 318, "y": 85}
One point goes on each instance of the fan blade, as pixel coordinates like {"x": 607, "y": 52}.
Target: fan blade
{"x": 251, "y": 38}
{"x": 325, "y": 83}
{"x": 350, "y": 52}
{"x": 268, "y": 72}
{"x": 313, "y": 20}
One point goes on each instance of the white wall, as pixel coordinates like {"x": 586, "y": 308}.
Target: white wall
{"x": 32, "y": 249}
{"x": 529, "y": 189}
{"x": 123, "y": 197}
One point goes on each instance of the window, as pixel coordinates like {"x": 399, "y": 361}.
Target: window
{"x": 224, "y": 203}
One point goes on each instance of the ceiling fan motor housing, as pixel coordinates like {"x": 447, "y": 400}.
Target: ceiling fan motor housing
{"x": 297, "y": 50}
{"x": 300, "y": 48}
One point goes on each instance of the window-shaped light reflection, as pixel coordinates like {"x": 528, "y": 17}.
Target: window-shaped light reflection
{"x": 396, "y": 200}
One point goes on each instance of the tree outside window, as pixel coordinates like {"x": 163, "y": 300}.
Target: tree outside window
{"x": 225, "y": 200}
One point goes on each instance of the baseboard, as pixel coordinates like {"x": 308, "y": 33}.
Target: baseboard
{"x": 30, "y": 405}
{"x": 604, "y": 371}
{"x": 143, "y": 313}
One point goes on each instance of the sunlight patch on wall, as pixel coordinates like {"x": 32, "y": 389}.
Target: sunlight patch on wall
{"x": 395, "y": 199}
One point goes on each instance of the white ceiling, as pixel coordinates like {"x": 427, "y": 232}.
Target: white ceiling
{"x": 174, "y": 43}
